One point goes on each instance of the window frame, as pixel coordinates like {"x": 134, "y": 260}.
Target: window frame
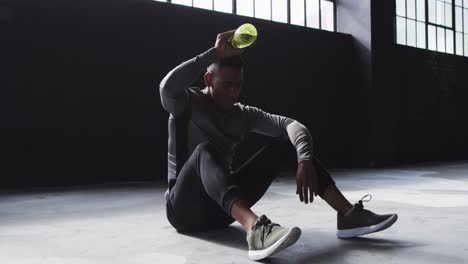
{"x": 435, "y": 25}
{"x": 288, "y": 15}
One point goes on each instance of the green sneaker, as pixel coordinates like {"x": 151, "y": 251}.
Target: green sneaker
{"x": 360, "y": 221}
{"x": 267, "y": 238}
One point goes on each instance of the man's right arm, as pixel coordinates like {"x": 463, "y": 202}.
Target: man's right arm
{"x": 173, "y": 87}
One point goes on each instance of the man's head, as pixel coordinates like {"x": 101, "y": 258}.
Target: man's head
{"x": 224, "y": 81}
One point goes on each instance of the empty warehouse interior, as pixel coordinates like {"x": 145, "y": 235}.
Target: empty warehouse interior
{"x": 379, "y": 85}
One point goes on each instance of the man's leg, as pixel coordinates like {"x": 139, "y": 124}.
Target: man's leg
{"x": 254, "y": 179}
{"x": 353, "y": 221}
{"x": 204, "y": 193}
{"x": 337, "y": 200}
{"x": 264, "y": 237}
{"x": 204, "y": 184}
{"x": 258, "y": 175}
{"x": 240, "y": 211}
{"x": 330, "y": 192}
{"x": 189, "y": 207}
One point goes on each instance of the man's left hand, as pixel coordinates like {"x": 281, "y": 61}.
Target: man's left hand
{"x": 306, "y": 181}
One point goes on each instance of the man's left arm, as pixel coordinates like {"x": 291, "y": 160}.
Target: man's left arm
{"x": 278, "y": 126}
{"x": 273, "y": 125}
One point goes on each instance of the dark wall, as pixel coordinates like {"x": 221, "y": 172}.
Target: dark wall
{"x": 354, "y": 17}
{"x": 77, "y": 98}
{"x": 421, "y": 114}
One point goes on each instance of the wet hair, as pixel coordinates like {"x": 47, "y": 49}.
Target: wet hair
{"x": 234, "y": 62}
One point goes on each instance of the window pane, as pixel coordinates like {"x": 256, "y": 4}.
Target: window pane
{"x": 401, "y": 31}
{"x": 297, "y": 12}
{"x": 465, "y": 44}
{"x": 411, "y": 33}
{"x": 448, "y": 15}
{"x": 244, "y": 7}
{"x": 458, "y": 19}
{"x": 263, "y": 9}
{"x": 432, "y": 11}
{"x": 465, "y": 20}
{"x": 223, "y": 6}
{"x": 206, "y": 4}
{"x": 421, "y": 9}
{"x": 411, "y": 9}
{"x": 459, "y": 2}
{"x": 465, "y": 3}
{"x": 449, "y": 39}
{"x": 400, "y": 8}
{"x": 327, "y": 15}
{"x": 421, "y": 35}
{"x": 440, "y": 13}
{"x": 312, "y": 12}
{"x": 440, "y": 39}
{"x": 432, "y": 37}
{"x": 182, "y": 2}
{"x": 280, "y": 10}
{"x": 459, "y": 43}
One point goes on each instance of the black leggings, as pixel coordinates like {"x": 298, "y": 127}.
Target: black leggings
{"x": 205, "y": 190}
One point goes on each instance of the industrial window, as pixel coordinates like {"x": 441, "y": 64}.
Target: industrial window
{"x": 438, "y": 25}
{"x": 319, "y": 14}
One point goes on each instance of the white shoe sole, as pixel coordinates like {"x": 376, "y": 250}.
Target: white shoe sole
{"x": 349, "y": 233}
{"x": 287, "y": 240}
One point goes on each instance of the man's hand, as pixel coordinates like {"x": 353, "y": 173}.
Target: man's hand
{"x": 223, "y": 49}
{"x": 307, "y": 181}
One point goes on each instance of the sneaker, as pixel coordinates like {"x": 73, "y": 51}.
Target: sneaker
{"x": 360, "y": 221}
{"x": 266, "y": 238}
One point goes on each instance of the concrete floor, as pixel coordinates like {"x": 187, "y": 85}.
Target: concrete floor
{"x": 127, "y": 224}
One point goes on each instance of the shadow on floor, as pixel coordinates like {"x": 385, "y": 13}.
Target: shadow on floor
{"x": 312, "y": 247}
{"x": 337, "y": 250}
{"x": 231, "y": 236}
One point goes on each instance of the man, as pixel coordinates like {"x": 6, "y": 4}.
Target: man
{"x": 205, "y": 126}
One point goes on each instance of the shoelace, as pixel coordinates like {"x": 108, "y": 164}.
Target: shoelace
{"x": 359, "y": 204}
{"x": 264, "y": 221}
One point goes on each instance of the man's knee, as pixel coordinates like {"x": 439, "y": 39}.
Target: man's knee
{"x": 205, "y": 147}
{"x": 208, "y": 151}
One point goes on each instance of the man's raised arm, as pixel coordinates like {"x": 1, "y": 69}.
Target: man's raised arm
{"x": 173, "y": 87}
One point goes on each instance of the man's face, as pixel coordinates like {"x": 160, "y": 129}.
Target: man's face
{"x": 226, "y": 86}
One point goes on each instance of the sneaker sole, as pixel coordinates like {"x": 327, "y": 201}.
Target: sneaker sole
{"x": 287, "y": 240}
{"x": 349, "y": 233}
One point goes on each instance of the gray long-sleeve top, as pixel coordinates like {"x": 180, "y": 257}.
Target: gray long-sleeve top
{"x": 207, "y": 123}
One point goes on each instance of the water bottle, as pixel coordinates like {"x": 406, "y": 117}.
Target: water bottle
{"x": 244, "y": 36}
